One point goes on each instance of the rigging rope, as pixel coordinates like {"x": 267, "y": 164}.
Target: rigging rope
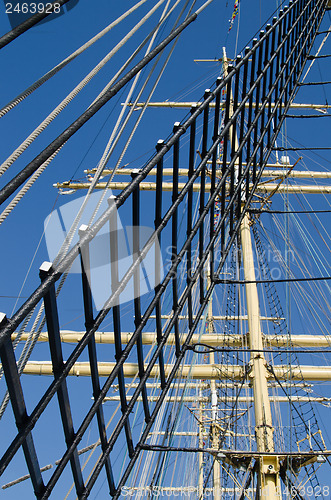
{"x": 106, "y": 156}
{"x": 75, "y": 223}
{"x": 276, "y": 310}
{"x": 44, "y": 124}
{"x": 318, "y": 51}
{"x": 112, "y": 143}
{"x": 304, "y": 411}
{"x": 66, "y": 61}
{"x": 10, "y": 207}
{"x": 29, "y": 23}
{"x": 82, "y": 119}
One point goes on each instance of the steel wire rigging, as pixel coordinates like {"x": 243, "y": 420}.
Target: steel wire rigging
{"x": 268, "y": 72}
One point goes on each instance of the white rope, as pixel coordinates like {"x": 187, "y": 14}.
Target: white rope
{"x": 74, "y": 226}
{"x": 162, "y": 20}
{"x": 15, "y": 155}
{"x": 30, "y": 342}
{"x": 29, "y": 316}
{"x": 109, "y": 150}
{"x": 34, "y": 335}
{"x": 145, "y": 477}
{"x": 31, "y": 181}
{"x": 10, "y": 207}
{"x": 132, "y": 108}
{"x": 43, "y": 125}
{"x": 300, "y": 289}
{"x": 28, "y": 347}
{"x": 66, "y": 61}
{"x": 203, "y": 7}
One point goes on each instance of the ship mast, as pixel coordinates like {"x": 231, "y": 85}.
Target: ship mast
{"x": 268, "y": 462}
{"x": 268, "y": 470}
{"x": 279, "y": 58}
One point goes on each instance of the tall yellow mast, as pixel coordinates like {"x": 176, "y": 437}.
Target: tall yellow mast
{"x": 268, "y": 472}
